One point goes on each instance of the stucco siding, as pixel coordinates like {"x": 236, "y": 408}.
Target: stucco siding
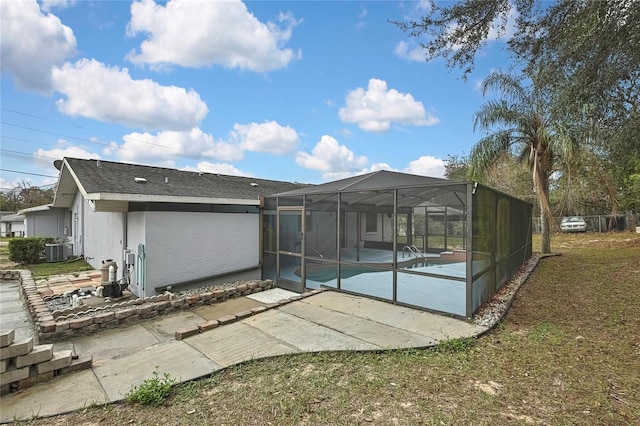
{"x": 103, "y": 237}
{"x": 46, "y": 223}
{"x": 19, "y": 227}
{"x": 187, "y": 246}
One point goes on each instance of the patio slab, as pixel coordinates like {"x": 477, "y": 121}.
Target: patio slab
{"x": 238, "y": 342}
{"x": 181, "y": 361}
{"x": 61, "y": 395}
{"x": 437, "y": 327}
{"x": 381, "y": 335}
{"x": 304, "y": 334}
{"x": 230, "y": 307}
{"x": 112, "y": 345}
{"x": 272, "y": 295}
{"x": 13, "y": 315}
{"x": 164, "y": 328}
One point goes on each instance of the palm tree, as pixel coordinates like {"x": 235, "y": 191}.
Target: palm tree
{"x": 520, "y": 123}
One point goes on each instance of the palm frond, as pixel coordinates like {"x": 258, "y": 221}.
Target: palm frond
{"x": 509, "y": 86}
{"x": 495, "y": 113}
{"x": 487, "y": 151}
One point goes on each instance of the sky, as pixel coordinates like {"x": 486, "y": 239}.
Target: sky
{"x": 298, "y": 91}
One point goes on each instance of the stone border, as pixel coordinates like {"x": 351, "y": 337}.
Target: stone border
{"x": 53, "y": 326}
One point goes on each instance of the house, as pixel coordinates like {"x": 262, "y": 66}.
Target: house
{"x": 45, "y": 221}
{"x": 12, "y": 225}
{"x": 423, "y": 242}
{"x": 163, "y": 227}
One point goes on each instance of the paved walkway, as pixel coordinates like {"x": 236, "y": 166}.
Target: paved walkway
{"x": 126, "y": 356}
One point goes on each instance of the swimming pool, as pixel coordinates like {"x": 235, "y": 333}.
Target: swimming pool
{"x": 327, "y": 273}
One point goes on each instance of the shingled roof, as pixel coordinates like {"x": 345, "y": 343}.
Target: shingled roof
{"x": 107, "y": 180}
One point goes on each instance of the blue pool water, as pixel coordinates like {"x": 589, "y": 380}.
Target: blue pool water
{"x": 329, "y": 273}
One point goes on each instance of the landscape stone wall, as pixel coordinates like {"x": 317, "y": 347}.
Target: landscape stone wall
{"x": 51, "y": 326}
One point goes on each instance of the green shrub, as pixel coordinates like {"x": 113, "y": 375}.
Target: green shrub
{"x": 28, "y": 250}
{"x": 152, "y": 391}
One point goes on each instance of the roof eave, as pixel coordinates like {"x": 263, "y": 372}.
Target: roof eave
{"x": 41, "y": 208}
{"x": 104, "y": 196}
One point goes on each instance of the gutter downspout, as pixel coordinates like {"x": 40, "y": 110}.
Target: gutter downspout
{"x": 210, "y": 277}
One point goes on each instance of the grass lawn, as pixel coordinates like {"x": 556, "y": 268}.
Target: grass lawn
{"x": 567, "y": 353}
{"x": 41, "y": 270}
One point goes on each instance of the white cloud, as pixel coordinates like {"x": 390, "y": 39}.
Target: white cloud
{"x": 195, "y": 144}
{"x": 409, "y": 52}
{"x": 373, "y": 168}
{"x": 496, "y": 32}
{"x": 63, "y": 150}
{"x": 203, "y": 33}
{"x": 109, "y": 94}
{"x": 426, "y": 166}
{"x": 375, "y": 108}
{"x": 329, "y": 157}
{"x": 266, "y": 137}
{"x": 32, "y": 43}
{"x": 48, "y": 5}
{"x": 146, "y": 147}
{"x": 362, "y": 18}
{"x": 222, "y": 168}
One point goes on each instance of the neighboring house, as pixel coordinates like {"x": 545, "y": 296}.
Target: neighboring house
{"x": 45, "y": 221}
{"x": 12, "y": 225}
{"x": 171, "y": 227}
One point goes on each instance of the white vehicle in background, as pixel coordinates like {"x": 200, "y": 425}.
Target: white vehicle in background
{"x": 573, "y": 224}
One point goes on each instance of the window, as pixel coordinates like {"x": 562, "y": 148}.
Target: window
{"x": 371, "y": 222}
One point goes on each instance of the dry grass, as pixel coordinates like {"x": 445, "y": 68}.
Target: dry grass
{"x": 568, "y": 353}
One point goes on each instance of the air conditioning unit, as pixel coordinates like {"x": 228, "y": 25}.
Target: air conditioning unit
{"x": 55, "y": 252}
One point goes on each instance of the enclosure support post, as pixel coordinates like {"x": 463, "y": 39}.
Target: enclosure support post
{"x": 469, "y": 237}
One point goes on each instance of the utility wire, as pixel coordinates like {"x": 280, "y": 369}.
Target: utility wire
{"x": 28, "y": 141}
{"x": 27, "y": 173}
{"x": 77, "y": 126}
{"x": 59, "y": 121}
{"x": 28, "y": 154}
{"x": 54, "y": 133}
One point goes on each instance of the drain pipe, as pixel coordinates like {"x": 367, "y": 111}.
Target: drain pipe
{"x": 210, "y": 277}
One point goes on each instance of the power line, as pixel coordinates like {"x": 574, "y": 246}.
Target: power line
{"x": 74, "y": 125}
{"x": 58, "y": 121}
{"x": 28, "y": 141}
{"x": 54, "y": 133}
{"x": 27, "y": 173}
{"x": 28, "y": 154}
{"x": 32, "y": 186}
